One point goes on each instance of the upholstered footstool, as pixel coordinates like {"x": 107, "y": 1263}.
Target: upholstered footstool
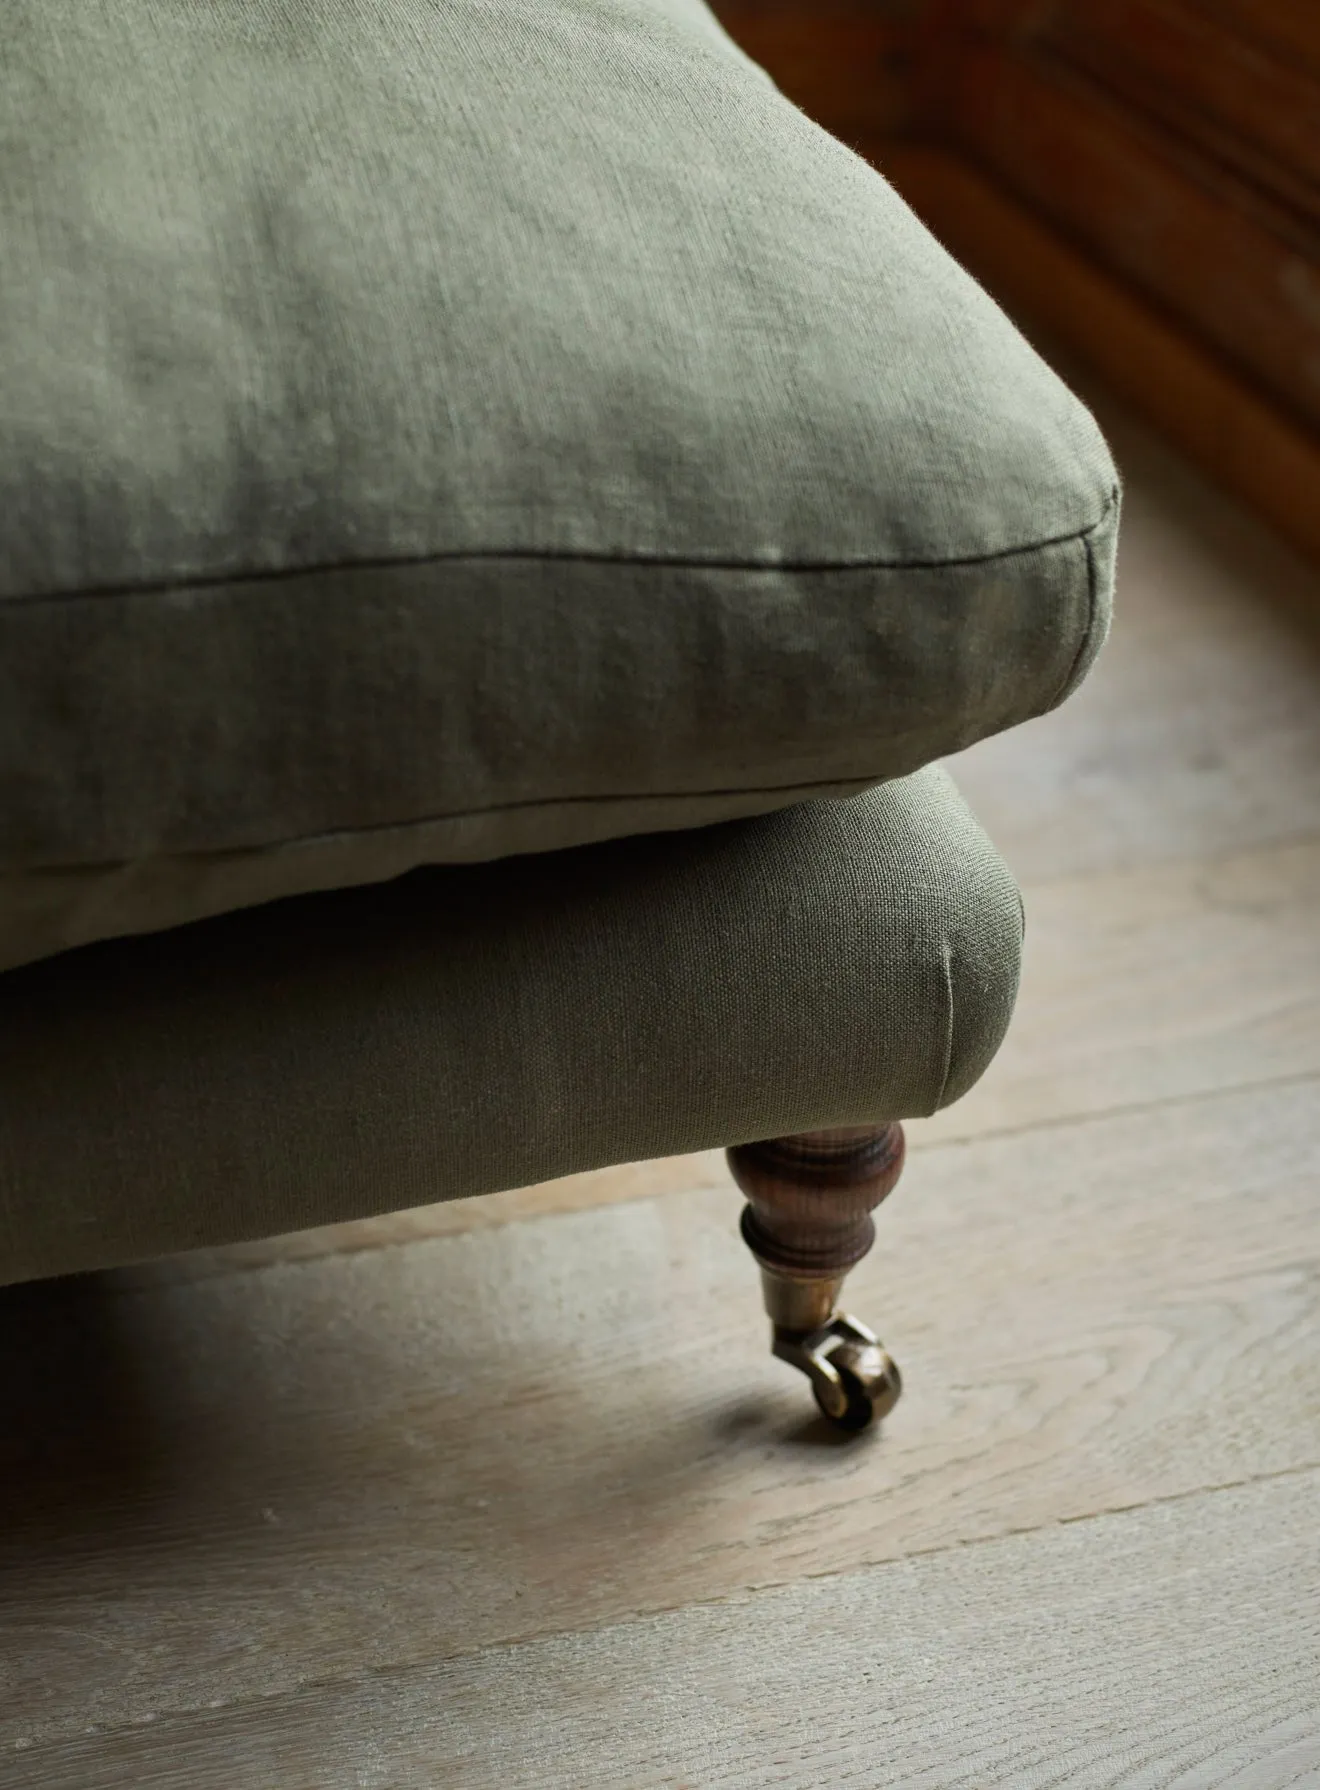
{"x": 499, "y": 518}
{"x": 467, "y": 1028}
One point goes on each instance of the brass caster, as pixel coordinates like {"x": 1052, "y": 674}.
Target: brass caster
{"x": 854, "y": 1377}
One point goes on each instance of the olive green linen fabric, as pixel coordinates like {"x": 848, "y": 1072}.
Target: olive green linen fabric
{"x": 467, "y": 1028}
{"x": 435, "y": 429}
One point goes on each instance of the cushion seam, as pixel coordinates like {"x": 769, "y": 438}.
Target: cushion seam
{"x": 829, "y": 788}
{"x": 642, "y": 561}
{"x": 1086, "y": 540}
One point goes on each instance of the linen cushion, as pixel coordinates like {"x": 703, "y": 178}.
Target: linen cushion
{"x": 439, "y": 429}
{"x": 467, "y": 1028}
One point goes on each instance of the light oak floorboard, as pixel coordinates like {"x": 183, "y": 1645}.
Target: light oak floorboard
{"x": 1171, "y": 1648}
{"x": 210, "y": 1490}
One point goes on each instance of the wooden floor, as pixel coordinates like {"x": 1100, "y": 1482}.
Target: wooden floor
{"x": 511, "y": 1494}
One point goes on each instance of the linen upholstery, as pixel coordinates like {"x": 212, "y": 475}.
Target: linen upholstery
{"x": 468, "y": 1028}
{"x": 437, "y": 429}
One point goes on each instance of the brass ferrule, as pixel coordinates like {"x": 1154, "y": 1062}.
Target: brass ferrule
{"x": 797, "y": 1304}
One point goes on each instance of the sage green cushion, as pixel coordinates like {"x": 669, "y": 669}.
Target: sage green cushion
{"x": 439, "y": 429}
{"x": 473, "y": 1027}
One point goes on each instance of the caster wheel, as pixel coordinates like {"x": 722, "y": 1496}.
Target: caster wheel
{"x": 870, "y": 1382}
{"x": 854, "y": 1377}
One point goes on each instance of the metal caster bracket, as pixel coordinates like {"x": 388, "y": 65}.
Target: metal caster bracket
{"x": 854, "y": 1377}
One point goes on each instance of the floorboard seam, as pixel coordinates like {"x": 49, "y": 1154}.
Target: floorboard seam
{"x": 1126, "y": 1109}
{"x": 746, "y": 1595}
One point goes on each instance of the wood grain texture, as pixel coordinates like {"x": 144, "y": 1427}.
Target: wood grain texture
{"x": 811, "y": 1197}
{"x": 229, "y": 1488}
{"x": 1230, "y": 86}
{"x": 1176, "y": 1646}
{"x": 1246, "y": 443}
{"x": 1252, "y": 111}
{"x": 1290, "y": 28}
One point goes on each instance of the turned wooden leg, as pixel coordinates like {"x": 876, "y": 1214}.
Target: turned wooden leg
{"x": 807, "y": 1221}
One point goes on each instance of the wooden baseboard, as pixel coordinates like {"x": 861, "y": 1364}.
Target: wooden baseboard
{"x": 1232, "y": 433}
